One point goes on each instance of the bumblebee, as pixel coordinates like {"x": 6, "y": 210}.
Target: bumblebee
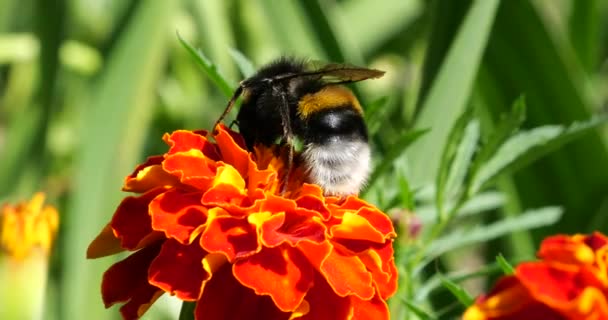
{"x": 291, "y": 99}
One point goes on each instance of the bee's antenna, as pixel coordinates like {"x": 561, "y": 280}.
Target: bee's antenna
{"x": 235, "y": 96}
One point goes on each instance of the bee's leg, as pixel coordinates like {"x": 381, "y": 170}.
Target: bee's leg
{"x": 231, "y": 102}
{"x": 287, "y": 133}
{"x": 233, "y": 123}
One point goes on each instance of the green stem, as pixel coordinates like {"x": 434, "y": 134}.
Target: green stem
{"x": 187, "y": 311}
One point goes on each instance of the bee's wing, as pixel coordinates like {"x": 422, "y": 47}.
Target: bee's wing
{"x": 344, "y": 73}
{"x": 336, "y": 73}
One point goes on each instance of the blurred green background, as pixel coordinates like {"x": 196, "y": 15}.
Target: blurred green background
{"x": 88, "y": 87}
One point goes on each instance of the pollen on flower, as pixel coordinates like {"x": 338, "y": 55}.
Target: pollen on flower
{"x": 220, "y": 211}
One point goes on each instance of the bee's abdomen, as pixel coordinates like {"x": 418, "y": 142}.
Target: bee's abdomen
{"x": 336, "y": 153}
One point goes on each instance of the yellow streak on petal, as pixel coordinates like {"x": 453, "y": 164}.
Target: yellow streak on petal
{"x": 149, "y": 178}
{"x": 229, "y": 175}
{"x": 258, "y": 218}
{"x": 474, "y": 313}
{"x": 213, "y": 261}
{"x": 302, "y": 310}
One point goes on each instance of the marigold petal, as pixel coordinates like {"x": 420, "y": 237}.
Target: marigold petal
{"x": 313, "y": 204}
{"x": 184, "y": 140}
{"x": 225, "y": 298}
{"x": 178, "y": 213}
{"x": 324, "y": 304}
{"x": 131, "y": 222}
{"x": 374, "y": 308}
{"x": 173, "y": 262}
{"x": 509, "y": 300}
{"x": 347, "y": 275}
{"x": 149, "y": 175}
{"x": 355, "y": 227}
{"x": 381, "y": 264}
{"x": 126, "y": 279}
{"x": 283, "y": 273}
{"x": 565, "y": 249}
{"x": 235, "y": 237}
{"x": 142, "y": 300}
{"x": 291, "y": 228}
{"x": 232, "y": 149}
{"x": 105, "y": 244}
{"x": 562, "y": 287}
{"x": 192, "y": 168}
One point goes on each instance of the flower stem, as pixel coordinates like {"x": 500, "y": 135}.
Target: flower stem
{"x": 187, "y": 311}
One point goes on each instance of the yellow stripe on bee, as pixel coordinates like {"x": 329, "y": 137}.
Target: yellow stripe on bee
{"x": 327, "y": 98}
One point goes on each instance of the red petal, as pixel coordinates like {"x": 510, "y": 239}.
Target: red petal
{"x": 555, "y": 284}
{"x": 192, "y": 168}
{"x": 131, "y": 222}
{"x": 232, "y": 153}
{"x": 104, "y": 244}
{"x": 128, "y": 279}
{"x": 224, "y": 298}
{"x": 142, "y": 300}
{"x": 566, "y": 249}
{"x": 314, "y": 204}
{"x": 325, "y": 304}
{"x": 149, "y": 175}
{"x": 375, "y": 308}
{"x": 178, "y": 214}
{"x": 178, "y": 269}
{"x": 381, "y": 264}
{"x": 283, "y": 273}
{"x": 347, "y": 275}
{"x": 234, "y": 237}
{"x": 183, "y": 140}
{"x": 291, "y": 228}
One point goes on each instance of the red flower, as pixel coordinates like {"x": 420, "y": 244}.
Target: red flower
{"x": 570, "y": 282}
{"x": 210, "y": 225}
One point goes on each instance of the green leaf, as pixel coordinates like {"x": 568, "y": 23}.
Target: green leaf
{"x": 505, "y": 127}
{"x": 245, "y": 65}
{"x": 447, "y": 155}
{"x": 467, "y": 236}
{"x": 115, "y": 128}
{"x": 462, "y": 160}
{"x": 506, "y": 267}
{"x": 459, "y": 292}
{"x": 450, "y": 90}
{"x": 527, "y": 146}
{"x": 421, "y": 313}
{"x": 209, "y": 68}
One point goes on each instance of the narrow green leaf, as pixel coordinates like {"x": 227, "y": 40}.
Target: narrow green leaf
{"x": 505, "y": 127}
{"x": 373, "y": 114}
{"x": 421, "y": 313}
{"x": 527, "y": 146}
{"x": 506, "y": 267}
{"x": 394, "y": 152}
{"x": 478, "y": 204}
{"x": 115, "y": 128}
{"x": 459, "y": 292}
{"x": 450, "y": 90}
{"x": 447, "y": 154}
{"x": 245, "y": 65}
{"x": 462, "y": 159}
{"x": 209, "y": 68}
{"x": 434, "y": 282}
{"x": 466, "y": 236}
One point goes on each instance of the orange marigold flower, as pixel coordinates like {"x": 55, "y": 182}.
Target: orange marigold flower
{"x": 209, "y": 224}
{"x": 28, "y": 226}
{"x": 569, "y": 282}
